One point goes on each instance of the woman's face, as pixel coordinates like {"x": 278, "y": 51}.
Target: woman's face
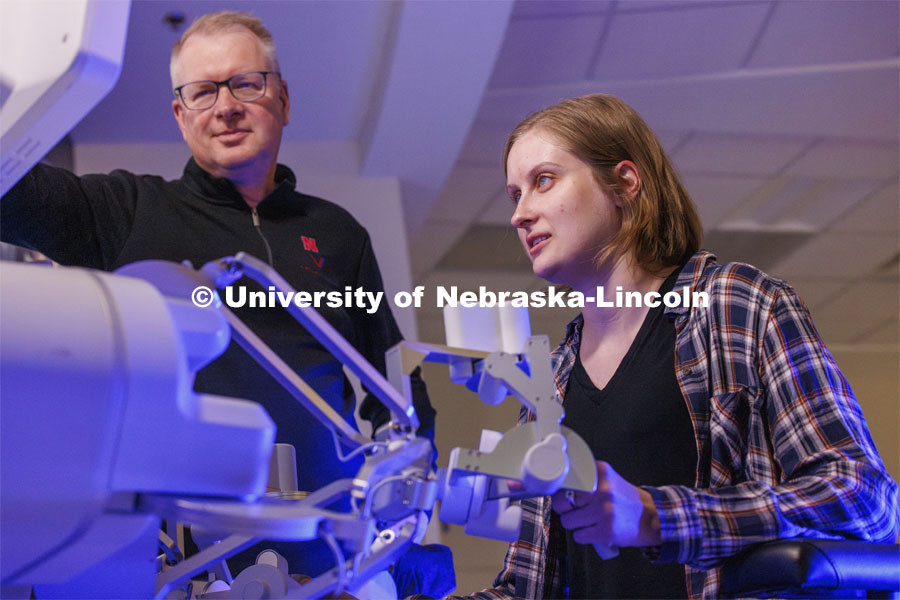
{"x": 562, "y": 214}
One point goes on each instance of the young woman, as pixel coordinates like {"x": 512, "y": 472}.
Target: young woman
{"x": 716, "y": 427}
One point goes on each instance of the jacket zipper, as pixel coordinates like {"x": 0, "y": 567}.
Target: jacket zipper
{"x": 255, "y": 216}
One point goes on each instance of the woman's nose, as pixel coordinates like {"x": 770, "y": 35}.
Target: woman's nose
{"x": 523, "y": 213}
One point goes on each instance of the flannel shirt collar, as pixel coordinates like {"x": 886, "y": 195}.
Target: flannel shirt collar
{"x": 692, "y": 276}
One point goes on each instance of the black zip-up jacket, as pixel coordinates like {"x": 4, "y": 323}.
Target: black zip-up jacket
{"x": 106, "y": 221}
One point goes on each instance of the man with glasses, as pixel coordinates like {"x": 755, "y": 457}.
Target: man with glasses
{"x": 233, "y": 135}
{"x": 231, "y": 106}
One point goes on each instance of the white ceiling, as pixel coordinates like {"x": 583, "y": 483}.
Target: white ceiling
{"x": 782, "y": 116}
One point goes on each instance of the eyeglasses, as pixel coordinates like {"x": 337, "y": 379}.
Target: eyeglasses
{"x": 246, "y": 87}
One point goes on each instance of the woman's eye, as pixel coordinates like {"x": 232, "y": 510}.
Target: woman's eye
{"x": 515, "y": 197}
{"x": 543, "y": 180}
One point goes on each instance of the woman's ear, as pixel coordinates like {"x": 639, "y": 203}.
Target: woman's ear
{"x": 629, "y": 179}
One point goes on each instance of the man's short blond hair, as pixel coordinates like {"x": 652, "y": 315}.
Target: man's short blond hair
{"x": 221, "y": 22}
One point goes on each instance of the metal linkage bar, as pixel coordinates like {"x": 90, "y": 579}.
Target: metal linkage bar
{"x": 292, "y": 382}
{"x": 169, "y": 579}
{"x": 334, "y": 342}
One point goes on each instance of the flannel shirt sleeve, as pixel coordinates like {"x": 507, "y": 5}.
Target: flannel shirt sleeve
{"x": 524, "y": 566}
{"x": 827, "y": 479}
{"x": 504, "y": 585}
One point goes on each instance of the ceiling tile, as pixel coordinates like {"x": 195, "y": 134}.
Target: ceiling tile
{"x": 838, "y": 254}
{"x": 485, "y": 144}
{"x": 760, "y": 211}
{"x": 858, "y": 311}
{"x": 715, "y": 196}
{"x": 497, "y": 211}
{"x": 824, "y": 202}
{"x": 658, "y": 5}
{"x": 837, "y": 330}
{"x": 762, "y": 249}
{"x": 815, "y": 292}
{"x": 737, "y": 154}
{"x": 801, "y": 33}
{"x": 670, "y": 140}
{"x": 879, "y": 212}
{"x": 713, "y": 37}
{"x": 431, "y": 242}
{"x": 853, "y": 104}
{"x": 549, "y": 50}
{"x": 525, "y": 9}
{"x": 797, "y": 204}
{"x": 331, "y": 95}
{"x": 885, "y": 333}
{"x": 486, "y": 248}
{"x": 888, "y": 270}
{"x": 466, "y": 192}
{"x": 329, "y": 53}
{"x": 837, "y": 159}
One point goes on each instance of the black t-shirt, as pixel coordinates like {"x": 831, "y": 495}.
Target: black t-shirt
{"x": 640, "y": 425}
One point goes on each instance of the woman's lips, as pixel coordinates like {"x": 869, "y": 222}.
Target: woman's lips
{"x": 534, "y": 249}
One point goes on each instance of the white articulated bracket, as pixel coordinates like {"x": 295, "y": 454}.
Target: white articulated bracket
{"x": 542, "y": 454}
{"x": 509, "y": 460}
{"x": 403, "y": 359}
{"x": 534, "y": 389}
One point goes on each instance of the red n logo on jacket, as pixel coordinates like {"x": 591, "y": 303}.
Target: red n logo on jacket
{"x": 309, "y": 243}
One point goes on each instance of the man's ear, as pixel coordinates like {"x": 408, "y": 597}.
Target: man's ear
{"x": 178, "y": 110}
{"x": 285, "y": 102}
{"x": 629, "y": 180}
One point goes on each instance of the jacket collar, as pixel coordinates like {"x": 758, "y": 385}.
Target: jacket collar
{"x": 218, "y": 190}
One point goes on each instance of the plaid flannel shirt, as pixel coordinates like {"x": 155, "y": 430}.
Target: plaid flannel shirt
{"x": 783, "y": 448}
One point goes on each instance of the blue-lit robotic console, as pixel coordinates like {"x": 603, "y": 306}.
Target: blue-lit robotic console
{"x": 102, "y": 435}
{"x": 97, "y": 400}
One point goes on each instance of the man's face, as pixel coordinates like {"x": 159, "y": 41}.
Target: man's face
{"x": 233, "y": 139}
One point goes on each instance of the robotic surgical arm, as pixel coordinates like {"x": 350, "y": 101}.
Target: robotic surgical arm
{"x": 395, "y": 485}
{"x": 389, "y": 494}
{"x": 542, "y": 455}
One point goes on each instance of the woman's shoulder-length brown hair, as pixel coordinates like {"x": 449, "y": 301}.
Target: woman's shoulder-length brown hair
{"x": 660, "y": 224}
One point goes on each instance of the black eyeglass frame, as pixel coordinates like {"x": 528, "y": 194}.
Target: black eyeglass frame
{"x": 226, "y": 83}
